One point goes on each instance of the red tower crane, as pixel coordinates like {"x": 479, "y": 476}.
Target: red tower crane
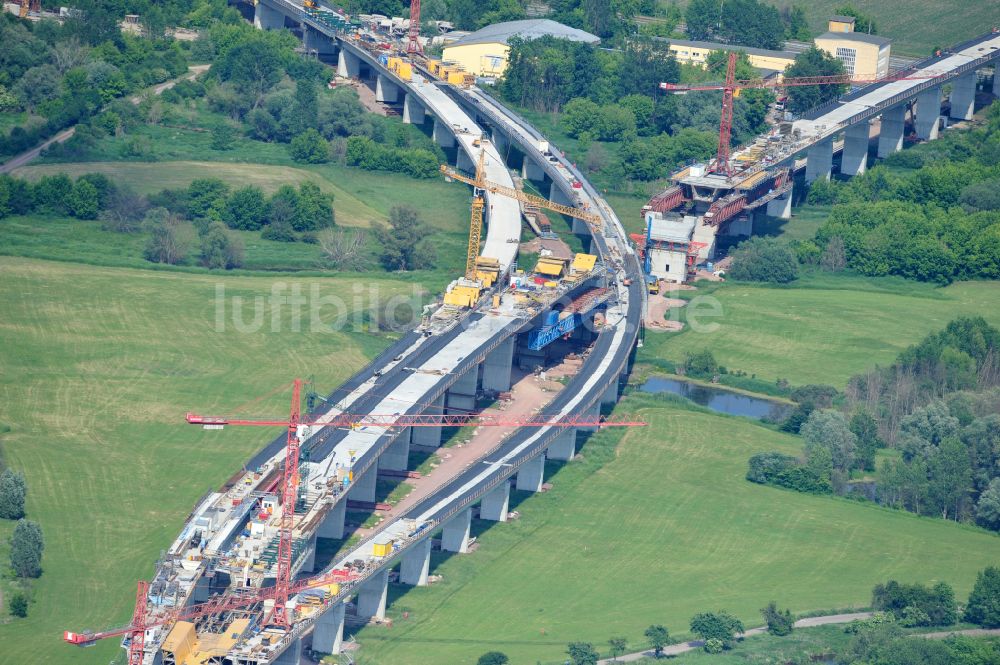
{"x": 413, "y": 46}
{"x": 731, "y": 88}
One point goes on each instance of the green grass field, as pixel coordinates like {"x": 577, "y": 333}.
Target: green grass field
{"x": 654, "y": 531}
{"x": 824, "y": 329}
{"x": 97, "y": 368}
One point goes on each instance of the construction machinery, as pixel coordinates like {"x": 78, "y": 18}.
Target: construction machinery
{"x": 29, "y": 6}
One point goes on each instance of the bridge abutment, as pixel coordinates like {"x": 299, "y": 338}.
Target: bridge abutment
{"x": 890, "y": 134}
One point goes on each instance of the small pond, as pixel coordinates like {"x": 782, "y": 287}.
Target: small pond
{"x": 719, "y": 399}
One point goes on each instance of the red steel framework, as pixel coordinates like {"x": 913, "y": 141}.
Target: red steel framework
{"x": 413, "y": 45}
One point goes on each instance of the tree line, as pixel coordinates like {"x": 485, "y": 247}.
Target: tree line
{"x": 937, "y": 405}
{"x": 26, "y": 542}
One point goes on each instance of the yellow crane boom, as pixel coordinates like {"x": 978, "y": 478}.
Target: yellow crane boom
{"x": 481, "y": 183}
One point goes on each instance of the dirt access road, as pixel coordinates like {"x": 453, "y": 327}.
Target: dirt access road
{"x": 20, "y": 160}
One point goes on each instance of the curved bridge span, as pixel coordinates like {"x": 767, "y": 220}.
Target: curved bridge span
{"x": 437, "y": 367}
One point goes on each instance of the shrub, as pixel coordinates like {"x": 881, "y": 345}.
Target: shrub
{"x": 12, "y": 493}
{"x": 221, "y": 249}
{"x": 916, "y": 604}
{"x": 83, "y": 200}
{"x": 19, "y": 605}
{"x": 779, "y": 622}
{"x": 493, "y": 658}
{"x": 714, "y": 645}
{"x": 720, "y": 626}
{"x": 310, "y": 147}
{"x": 762, "y": 259}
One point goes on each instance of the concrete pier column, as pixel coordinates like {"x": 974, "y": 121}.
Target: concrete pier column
{"x": 372, "y": 595}
{"x": 413, "y": 111}
{"x": 996, "y": 80}
{"x": 328, "y": 632}
{"x": 610, "y": 395}
{"x": 855, "y": 158}
{"x": 494, "y": 504}
{"x": 397, "y": 456}
{"x": 309, "y": 564}
{"x": 890, "y": 135}
{"x": 455, "y": 535}
{"x": 293, "y": 653}
{"x": 497, "y": 366}
{"x": 464, "y": 162}
{"x": 315, "y": 42}
{"x": 563, "y": 447}
{"x": 928, "y": 113}
{"x": 416, "y": 564}
{"x": 429, "y": 436}
{"x": 557, "y": 195}
{"x": 963, "y": 96}
{"x": 779, "y": 207}
{"x": 333, "y": 524}
{"x": 363, "y": 488}
{"x": 443, "y": 135}
{"x": 462, "y": 393}
{"x": 530, "y": 170}
{"x": 267, "y": 18}
{"x": 531, "y": 474}
{"x": 819, "y": 160}
{"x": 385, "y": 90}
{"x": 501, "y": 141}
{"x": 592, "y": 412}
{"x": 348, "y": 64}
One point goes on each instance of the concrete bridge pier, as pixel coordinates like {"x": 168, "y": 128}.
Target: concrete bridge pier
{"x": 890, "y": 135}
{"x": 293, "y": 653}
{"x": 385, "y": 90}
{"x": 819, "y": 160}
{"x": 494, "y": 504}
{"x": 430, "y": 436}
{"x": 316, "y": 42}
{"x": 592, "y": 412}
{"x": 267, "y": 18}
{"x": 928, "y": 113}
{"x": 463, "y": 162}
{"x": 855, "y": 158}
{"x": 455, "y": 535}
{"x": 371, "y": 597}
{"x": 414, "y": 112}
{"x": 497, "y": 366}
{"x": 461, "y": 396}
{"x": 996, "y": 80}
{"x": 780, "y": 207}
{"x": 397, "y": 456}
{"x": 443, "y": 135}
{"x": 531, "y": 474}
{"x": 328, "y": 632}
{"x": 563, "y": 447}
{"x": 348, "y": 64}
{"x": 557, "y": 195}
{"x": 963, "y": 96}
{"x": 309, "y": 564}
{"x": 530, "y": 170}
{"x": 363, "y": 488}
{"x": 501, "y": 141}
{"x": 416, "y": 564}
{"x": 610, "y": 395}
{"x": 333, "y": 523}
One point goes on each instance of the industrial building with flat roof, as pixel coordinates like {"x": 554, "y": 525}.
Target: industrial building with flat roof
{"x": 696, "y": 53}
{"x": 484, "y": 52}
{"x": 864, "y": 56}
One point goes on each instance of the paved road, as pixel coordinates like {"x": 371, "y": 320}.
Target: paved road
{"x": 971, "y": 632}
{"x": 676, "y": 649}
{"x": 25, "y": 157}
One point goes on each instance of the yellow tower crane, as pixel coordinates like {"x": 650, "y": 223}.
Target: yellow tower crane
{"x": 482, "y": 271}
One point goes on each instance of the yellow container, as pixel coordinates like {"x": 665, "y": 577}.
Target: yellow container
{"x": 405, "y": 71}
{"x": 456, "y": 77}
{"x": 382, "y": 549}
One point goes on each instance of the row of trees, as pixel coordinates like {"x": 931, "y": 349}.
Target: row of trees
{"x": 26, "y": 542}
{"x": 937, "y": 404}
{"x": 938, "y": 222}
{"x": 88, "y": 197}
